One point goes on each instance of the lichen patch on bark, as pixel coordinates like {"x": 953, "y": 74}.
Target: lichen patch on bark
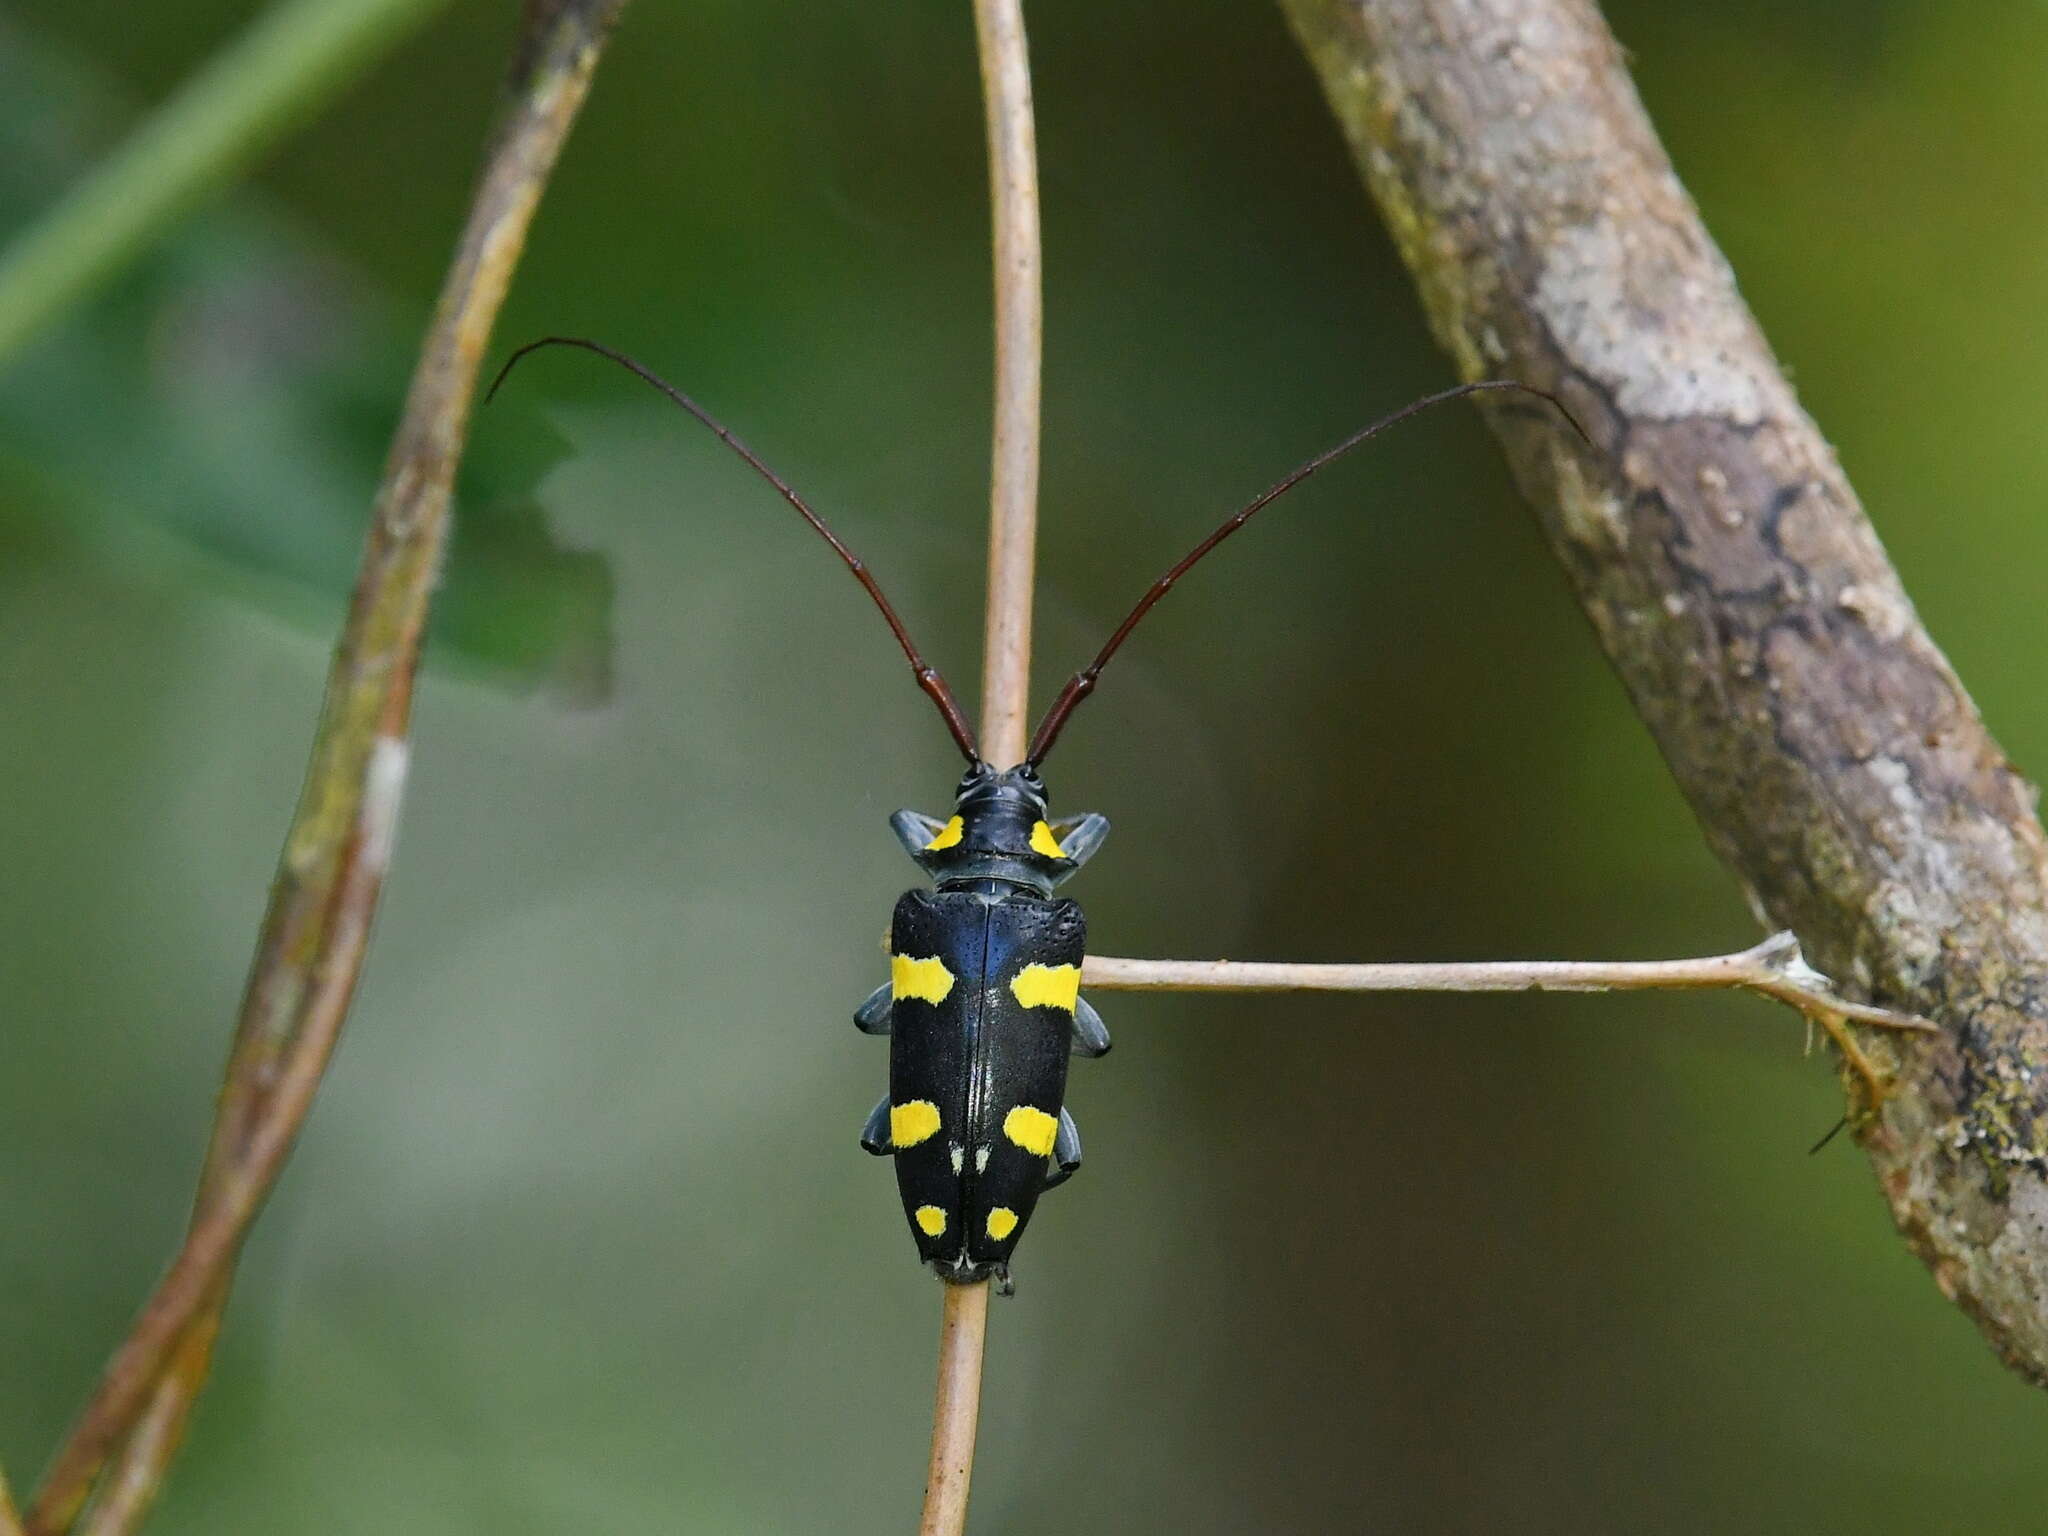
{"x": 1830, "y": 753}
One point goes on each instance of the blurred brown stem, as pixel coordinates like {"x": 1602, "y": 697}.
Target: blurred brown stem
{"x": 316, "y": 930}
{"x": 1831, "y": 755}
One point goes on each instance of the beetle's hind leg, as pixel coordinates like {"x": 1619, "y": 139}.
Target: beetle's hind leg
{"x": 873, "y": 1016}
{"x": 874, "y": 1136}
{"x": 1066, "y": 1152}
{"x": 1091, "y": 1035}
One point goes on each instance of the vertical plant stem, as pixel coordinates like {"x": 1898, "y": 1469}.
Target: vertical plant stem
{"x": 316, "y": 931}
{"x": 1006, "y": 659}
{"x": 274, "y": 76}
{"x": 1020, "y": 331}
{"x": 963, "y": 1331}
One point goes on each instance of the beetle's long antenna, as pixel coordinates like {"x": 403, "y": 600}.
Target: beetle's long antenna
{"x": 929, "y": 679}
{"x": 1082, "y": 683}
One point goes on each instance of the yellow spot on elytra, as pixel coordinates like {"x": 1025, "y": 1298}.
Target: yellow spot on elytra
{"x": 1045, "y": 986}
{"x": 1002, "y": 1221}
{"x": 931, "y": 1221}
{"x": 949, "y": 834}
{"x": 1042, "y": 841}
{"x": 913, "y": 1122}
{"x": 927, "y": 980}
{"x": 1032, "y": 1129}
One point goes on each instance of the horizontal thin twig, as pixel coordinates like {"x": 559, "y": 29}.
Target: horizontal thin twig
{"x": 1774, "y": 968}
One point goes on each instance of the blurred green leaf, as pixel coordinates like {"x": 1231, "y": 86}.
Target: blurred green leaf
{"x": 235, "y": 391}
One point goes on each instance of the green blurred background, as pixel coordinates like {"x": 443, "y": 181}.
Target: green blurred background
{"x": 579, "y": 1237}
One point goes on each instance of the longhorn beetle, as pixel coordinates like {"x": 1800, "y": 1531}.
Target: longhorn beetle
{"x": 983, "y": 1003}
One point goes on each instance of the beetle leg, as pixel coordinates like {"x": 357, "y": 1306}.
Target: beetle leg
{"x": 873, "y": 1016}
{"x": 915, "y": 831}
{"x": 874, "y": 1136}
{"x": 1080, "y": 836}
{"x": 1091, "y": 1035}
{"x": 1066, "y": 1152}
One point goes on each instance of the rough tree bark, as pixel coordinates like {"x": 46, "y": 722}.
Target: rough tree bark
{"x": 1828, "y": 750}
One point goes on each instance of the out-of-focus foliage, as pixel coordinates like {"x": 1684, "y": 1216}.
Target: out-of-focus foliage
{"x": 579, "y": 1236}
{"x": 229, "y": 399}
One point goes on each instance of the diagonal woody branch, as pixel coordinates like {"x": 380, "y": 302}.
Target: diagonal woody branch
{"x": 316, "y": 930}
{"x": 1831, "y": 755}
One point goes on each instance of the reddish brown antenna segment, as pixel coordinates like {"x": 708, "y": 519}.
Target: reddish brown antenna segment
{"x": 928, "y": 677}
{"x": 1082, "y": 683}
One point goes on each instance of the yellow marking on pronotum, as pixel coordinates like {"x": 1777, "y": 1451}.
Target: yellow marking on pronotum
{"x": 1002, "y": 1221}
{"x": 911, "y": 1123}
{"x": 1042, "y": 841}
{"x": 1032, "y": 1129}
{"x": 926, "y": 980}
{"x": 931, "y": 1221}
{"x": 1045, "y": 986}
{"x": 949, "y": 834}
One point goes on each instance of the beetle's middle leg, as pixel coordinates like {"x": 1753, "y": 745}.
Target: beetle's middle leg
{"x": 873, "y": 1016}
{"x": 874, "y": 1136}
{"x": 1090, "y": 1034}
{"x": 1066, "y": 1152}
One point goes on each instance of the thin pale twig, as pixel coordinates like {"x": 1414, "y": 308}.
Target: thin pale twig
{"x": 1774, "y": 968}
{"x": 1006, "y": 662}
{"x": 316, "y": 930}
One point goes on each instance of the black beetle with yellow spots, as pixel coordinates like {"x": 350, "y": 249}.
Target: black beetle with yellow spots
{"x": 982, "y": 1007}
{"x": 983, "y": 1003}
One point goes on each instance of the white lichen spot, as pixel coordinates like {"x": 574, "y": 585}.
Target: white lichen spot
{"x": 1885, "y": 613}
{"x": 1699, "y": 354}
{"x": 1674, "y": 605}
{"x": 383, "y": 792}
{"x": 1897, "y": 780}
